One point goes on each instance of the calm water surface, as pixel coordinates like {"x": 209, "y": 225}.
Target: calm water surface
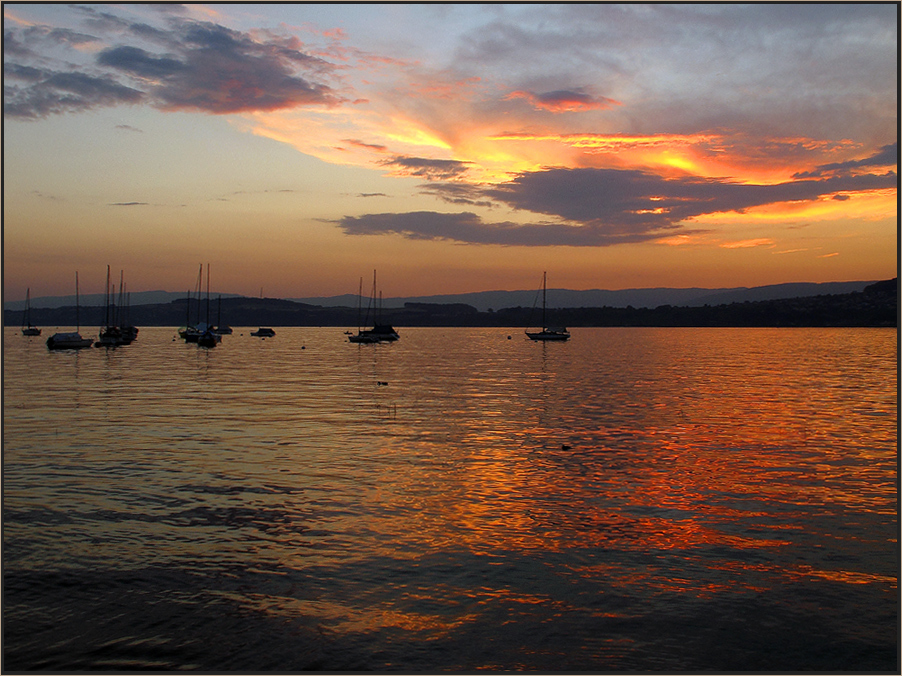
{"x": 632, "y": 500}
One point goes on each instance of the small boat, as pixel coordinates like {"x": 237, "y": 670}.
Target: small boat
{"x": 191, "y": 332}
{"x": 380, "y": 333}
{"x": 263, "y": 332}
{"x": 70, "y": 340}
{"x": 208, "y": 339}
{"x": 129, "y": 332}
{"x": 383, "y": 333}
{"x": 111, "y": 335}
{"x": 547, "y": 332}
{"x": 363, "y": 337}
{"x": 27, "y": 328}
{"x": 219, "y": 329}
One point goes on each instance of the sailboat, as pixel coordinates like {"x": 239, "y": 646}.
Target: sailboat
{"x": 547, "y": 333}
{"x": 380, "y": 333}
{"x": 362, "y": 336}
{"x": 27, "y": 328}
{"x": 129, "y": 332}
{"x": 73, "y": 339}
{"x": 110, "y": 335}
{"x": 219, "y": 328}
{"x": 208, "y": 337}
{"x": 191, "y": 332}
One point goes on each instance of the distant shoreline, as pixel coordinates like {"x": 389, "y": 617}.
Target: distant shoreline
{"x": 875, "y": 306}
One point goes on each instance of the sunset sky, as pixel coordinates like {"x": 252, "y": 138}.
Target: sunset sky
{"x": 455, "y": 148}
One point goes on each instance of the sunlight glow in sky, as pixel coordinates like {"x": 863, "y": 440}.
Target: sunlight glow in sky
{"x": 454, "y": 148}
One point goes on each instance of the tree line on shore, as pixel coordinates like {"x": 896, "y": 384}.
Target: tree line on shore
{"x": 875, "y": 306}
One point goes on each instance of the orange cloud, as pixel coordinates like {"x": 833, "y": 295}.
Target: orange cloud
{"x": 748, "y": 243}
{"x": 707, "y": 154}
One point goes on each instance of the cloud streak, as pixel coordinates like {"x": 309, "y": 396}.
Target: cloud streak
{"x": 887, "y": 156}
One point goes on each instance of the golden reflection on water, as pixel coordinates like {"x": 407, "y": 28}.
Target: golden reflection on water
{"x": 701, "y": 463}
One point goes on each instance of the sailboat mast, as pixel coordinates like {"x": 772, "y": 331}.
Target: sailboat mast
{"x": 359, "y": 304}
{"x": 27, "y": 316}
{"x": 208, "y": 294}
{"x": 199, "y": 289}
{"x": 106, "y": 299}
{"x": 77, "y": 319}
{"x": 118, "y": 319}
{"x": 544, "y": 291}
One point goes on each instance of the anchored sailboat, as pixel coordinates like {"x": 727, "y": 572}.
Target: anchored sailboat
{"x": 73, "y": 339}
{"x": 380, "y": 333}
{"x": 547, "y": 333}
{"x": 207, "y": 337}
{"x": 110, "y": 335}
{"x": 222, "y": 330}
{"x": 27, "y": 328}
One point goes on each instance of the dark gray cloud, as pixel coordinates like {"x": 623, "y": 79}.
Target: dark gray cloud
{"x": 50, "y": 93}
{"x": 598, "y": 207}
{"x": 140, "y": 63}
{"x": 218, "y": 70}
{"x": 633, "y": 200}
{"x": 457, "y": 193}
{"x": 887, "y": 156}
{"x": 202, "y": 67}
{"x": 469, "y": 228}
{"x": 441, "y": 170}
{"x": 14, "y": 71}
{"x": 565, "y": 100}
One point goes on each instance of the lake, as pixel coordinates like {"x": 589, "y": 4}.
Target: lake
{"x": 463, "y": 499}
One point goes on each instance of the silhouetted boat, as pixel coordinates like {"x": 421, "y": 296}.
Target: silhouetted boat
{"x": 129, "y": 332}
{"x": 110, "y": 334}
{"x": 219, "y": 329}
{"x": 208, "y": 337}
{"x": 380, "y": 333}
{"x": 263, "y": 332}
{"x": 27, "y": 328}
{"x": 191, "y": 332}
{"x": 547, "y": 332}
{"x": 71, "y": 340}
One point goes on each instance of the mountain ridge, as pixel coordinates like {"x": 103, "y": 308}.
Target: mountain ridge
{"x": 488, "y": 300}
